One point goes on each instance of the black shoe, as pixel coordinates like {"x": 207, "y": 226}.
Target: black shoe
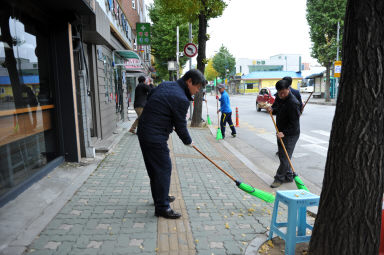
{"x": 171, "y": 199}
{"x": 168, "y": 214}
{"x": 233, "y": 135}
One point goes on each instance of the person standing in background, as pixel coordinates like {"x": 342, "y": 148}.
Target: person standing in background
{"x": 226, "y": 111}
{"x": 141, "y": 92}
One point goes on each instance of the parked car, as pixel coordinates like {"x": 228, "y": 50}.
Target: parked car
{"x": 307, "y": 89}
{"x": 265, "y": 98}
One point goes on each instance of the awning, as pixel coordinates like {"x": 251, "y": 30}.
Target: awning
{"x": 127, "y": 54}
{"x": 128, "y": 59}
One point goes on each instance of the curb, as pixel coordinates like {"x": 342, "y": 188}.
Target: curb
{"x": 255, "y": 244}
{"x": 323, "y": 103}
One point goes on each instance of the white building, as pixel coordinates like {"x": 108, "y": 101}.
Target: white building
{"x": 280, "y": 62}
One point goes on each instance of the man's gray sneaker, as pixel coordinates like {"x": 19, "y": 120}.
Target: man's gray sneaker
{"x": 276, "y": 184}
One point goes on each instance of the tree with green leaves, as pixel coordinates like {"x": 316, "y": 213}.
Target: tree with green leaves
{"x": 163, "y": 39}
{"x": 349, "y": 215}
{"x": 201, "y": 11}
{"x": 224, "y": 63}
{"x": 322, "y": 17}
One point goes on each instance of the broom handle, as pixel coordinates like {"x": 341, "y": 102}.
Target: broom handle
{"x": 206, "y": 103}
{"x": 282, "y": 144}
{"x": 306, "y": 102}
{"x": 218, "y": 119}
{"x": 221, "y": 169}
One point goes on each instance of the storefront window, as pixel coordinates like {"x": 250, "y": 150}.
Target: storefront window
{"x": 27, "y": 131}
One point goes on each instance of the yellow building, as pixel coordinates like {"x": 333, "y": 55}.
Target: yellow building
{"x": 253, "y": 82}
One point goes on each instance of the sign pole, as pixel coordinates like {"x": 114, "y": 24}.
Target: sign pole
{"x": 190, "y": 67}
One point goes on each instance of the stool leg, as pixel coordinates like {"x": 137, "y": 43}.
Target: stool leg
{"x": 273, "y": 221}
{"x": 302, "y": 221}
{"x": 290, "y": 242}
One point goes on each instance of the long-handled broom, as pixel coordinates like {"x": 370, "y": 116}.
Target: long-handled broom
{"x": 302, "y": 109}
{"x": 208, "y": 119}
{"x": 298, "y": 181}
{"x": 267, "y": 197}
{"x": 219, "y": 135}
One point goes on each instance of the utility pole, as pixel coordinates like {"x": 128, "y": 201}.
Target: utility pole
{"x": 337, "y": 55}
{"x": 337, "y": 40}
{"x": 177, "y": 52}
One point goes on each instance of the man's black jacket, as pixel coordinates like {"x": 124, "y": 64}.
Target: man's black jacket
{"x": 141, "y": 93}
{"x": 288, "y": 115}
{"x": 167, "y": 107}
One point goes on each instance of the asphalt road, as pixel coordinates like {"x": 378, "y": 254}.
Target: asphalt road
{"x": 257, "y": 130}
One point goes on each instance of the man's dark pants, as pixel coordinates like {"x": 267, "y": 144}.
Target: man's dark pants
{"x": 284, "y": 172}
{"x": 159, "y": 168}
{"x": 226, "y": 117}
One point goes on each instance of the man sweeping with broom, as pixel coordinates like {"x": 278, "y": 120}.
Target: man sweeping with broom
{"x": 226, "y": 111}
{"x": 166, "y": 109}
{"x": 288, "y": 123}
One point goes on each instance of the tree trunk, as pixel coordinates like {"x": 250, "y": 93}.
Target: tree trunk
{"x": 349, "y": 216}
{"x": 202, "y": 40}
{"x": 327, "y": 82}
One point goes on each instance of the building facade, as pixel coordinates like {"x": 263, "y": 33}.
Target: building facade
{"x": 61, "y": 91}
{"x": 39, "y": 125}
{"x": 253, "y": 82}
{"x": 280, "y": 62}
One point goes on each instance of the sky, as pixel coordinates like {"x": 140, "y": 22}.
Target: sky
{"x": 259, "y": 29}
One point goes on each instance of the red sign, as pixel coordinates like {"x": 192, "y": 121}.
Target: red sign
{"x": 132, "y": 63}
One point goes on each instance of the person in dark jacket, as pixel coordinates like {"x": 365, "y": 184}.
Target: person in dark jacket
{"x": 295, "y": 92}
{"x": 288, "y": 122}
{"x": 166, "y": 109}
{"x": 141, "y": 93}
{"x": 150, "y": 83}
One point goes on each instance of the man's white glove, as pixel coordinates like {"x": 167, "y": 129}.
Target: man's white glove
{"x": 191, "y": 144}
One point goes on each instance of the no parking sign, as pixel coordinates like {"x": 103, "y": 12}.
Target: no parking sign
{"x": 190, "y": 50}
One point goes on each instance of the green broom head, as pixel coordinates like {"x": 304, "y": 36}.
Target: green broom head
{"x": 263, "y": 195}
{"x": 300, "y": 183}
{"x": 219, "y": 135}
{"x": 209, "y": 120}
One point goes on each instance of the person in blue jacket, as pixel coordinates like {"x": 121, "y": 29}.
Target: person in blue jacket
{"x": 166, "y": 109}
{"x": 226, "y": 111}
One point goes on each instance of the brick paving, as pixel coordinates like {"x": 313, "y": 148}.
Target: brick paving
{"x": 112, "y": 212}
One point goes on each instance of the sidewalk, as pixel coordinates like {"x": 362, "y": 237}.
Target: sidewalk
{"x": 112, "y": 211}
{"x": 320, "y": 101}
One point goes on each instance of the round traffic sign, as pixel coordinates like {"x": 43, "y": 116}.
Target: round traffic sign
{"x": 190, "y": 50}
